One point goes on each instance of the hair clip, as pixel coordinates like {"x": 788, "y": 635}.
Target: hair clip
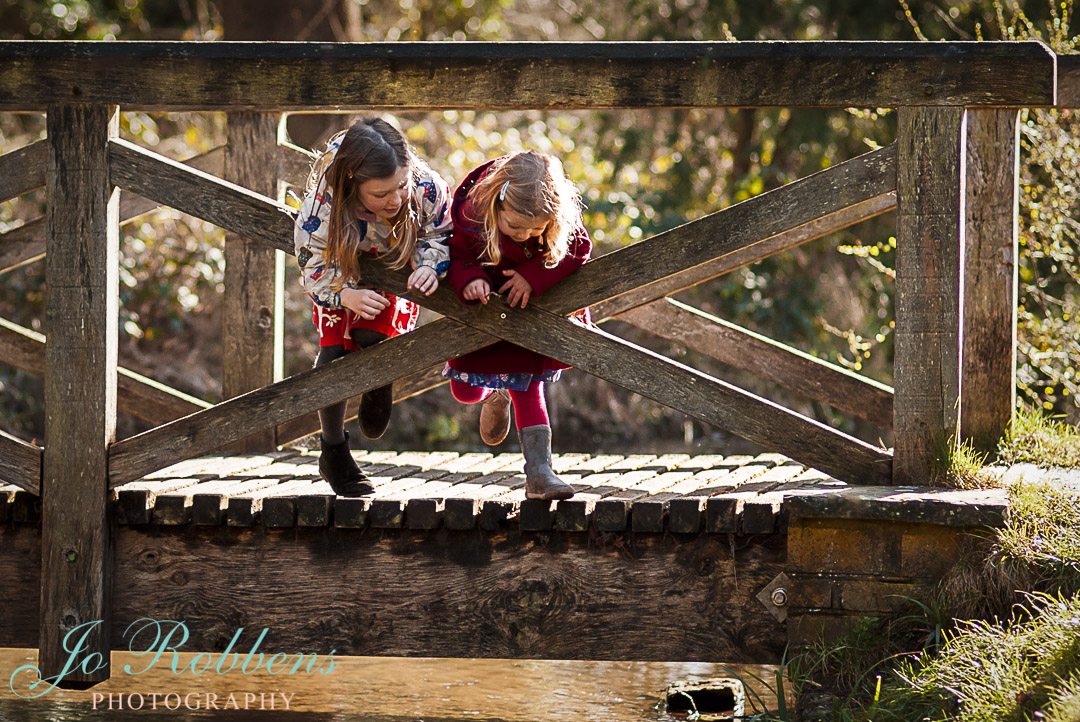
{"x": 502, "y": 191}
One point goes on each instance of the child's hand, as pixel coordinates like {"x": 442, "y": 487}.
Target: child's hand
{"x": 364, "y": 302}
{"x": 477, "y": 290}
{"x": 423, "y": 279}
{"x": 517, "y": 288}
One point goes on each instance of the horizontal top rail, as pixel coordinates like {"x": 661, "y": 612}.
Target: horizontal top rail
{"x": 1068, "y": 74}
{"x": 298, "y": 76}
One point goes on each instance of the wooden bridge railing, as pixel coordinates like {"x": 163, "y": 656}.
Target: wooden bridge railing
{"x": 950, "y": 98}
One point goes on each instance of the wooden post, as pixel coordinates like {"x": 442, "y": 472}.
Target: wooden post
{"x": 928, "y": 305}
{"x": 990, "y": 284}
{"x": 929, "y": 260}
{"x": 254, "y": 274}
{"x": 81, "y": 312}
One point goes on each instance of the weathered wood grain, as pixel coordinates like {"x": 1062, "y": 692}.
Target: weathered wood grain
{"x": 136, "y": 500}
{"x": 330, "y": 76}
{"x": 152, "y": 401}
{"x": 137, "y": 395}
{"x": 404, "y": 388}
{"x": 462, "y": 510}
{"x": 769, "y": 512}
{"x": 20, "y": 463}
{"x": 990, "y": 277}
{"x": 207, "y": 503}
{"x": 7, "y": 496}
{"x": 742, "y": 228}
{"x": 686, "y": 515}
{"x": 720, "y": 515}
{"x": 455, "y": 594}
{"x": 133, "y": 206}
{"x": 688, "y": 390}
{"x": 388, "y": 503}
{"x": 651, "y": 513}
{"x": 424, "y": 508}
{"x": 725, "y": 511}
{"x": 20, "y": 594}
{"x": 350, "y": 513}
{"x": 293, "y": 163}
{"x": 26, "y": 508}
{"x": 22, "y": 245}
{"x": 26, "y": 243}
{"x": 202, "y": 195}
{"x": 1068, "y": 81}
{"x": 210, "y": 503}
{"x": 789, "y": 367}
{"x": 233, "y": 419}
{"x": 253, "y": 305}
{"x": 315, "y": 508}
{"x": 81, "y": 312}
{"x": 247, "y": 510}
{"x": 928, "y": 340}
{"x": 600, "y": 478}
{"x": 23, "y": 170}
{"x": 778, "y": 243}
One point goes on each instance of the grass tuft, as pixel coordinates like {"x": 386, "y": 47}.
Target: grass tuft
{"x": 960, "y": 466}
{"x": 1041, "y": 440}
{"x": 994, "y": 672}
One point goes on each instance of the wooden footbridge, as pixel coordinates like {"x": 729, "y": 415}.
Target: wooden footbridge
{"x": 657, "y": 557}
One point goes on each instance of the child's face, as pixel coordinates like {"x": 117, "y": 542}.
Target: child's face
{"x": 385, "y": 196}
{"x": 520, "y": 227}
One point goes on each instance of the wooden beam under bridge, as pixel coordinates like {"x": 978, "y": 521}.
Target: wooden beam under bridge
{"x": 446, "y": 593}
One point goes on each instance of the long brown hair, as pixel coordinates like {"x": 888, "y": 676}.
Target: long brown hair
{"x": 532, "y": 184}
{"x": 371, "y": 148}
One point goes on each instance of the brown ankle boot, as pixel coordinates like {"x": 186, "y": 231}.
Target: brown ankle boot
{"x": 540, "y": 480}
{"x": 495, "y": 417}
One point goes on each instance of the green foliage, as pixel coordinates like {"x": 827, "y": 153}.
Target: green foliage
{"x": 1048, "y": 322}
{"x": 107, "y": 20}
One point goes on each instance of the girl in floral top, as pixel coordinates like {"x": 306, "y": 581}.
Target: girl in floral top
{"x": 367, "y": 193}
{"x": 517, "y": 231}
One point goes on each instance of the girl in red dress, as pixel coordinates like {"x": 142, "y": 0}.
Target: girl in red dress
{"x": 517, "y": 231}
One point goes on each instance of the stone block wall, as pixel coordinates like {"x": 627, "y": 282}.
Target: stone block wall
{"x": 867, "y": 552}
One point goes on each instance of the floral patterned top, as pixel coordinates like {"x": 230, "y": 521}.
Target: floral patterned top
{"x": 309, "y": 235}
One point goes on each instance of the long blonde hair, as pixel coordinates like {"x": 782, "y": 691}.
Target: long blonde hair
{"x": 532, "y": 184}
{"x": 371, "y": 148}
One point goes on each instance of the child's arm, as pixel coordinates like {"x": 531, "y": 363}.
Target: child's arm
{"x": 309, "y": 240}
{"x": 540, "y": 278}
{"x": 466, "y": 274}
{"x": 432, "y": 243}
{"x": 431, "y": 259}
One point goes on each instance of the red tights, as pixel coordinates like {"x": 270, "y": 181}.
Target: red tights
{"x": 530, "y": 408}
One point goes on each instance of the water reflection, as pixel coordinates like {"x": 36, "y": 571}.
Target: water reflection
{"x": 377, "y": 689}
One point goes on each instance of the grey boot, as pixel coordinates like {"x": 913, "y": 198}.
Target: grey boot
{"x": 540, "y": 480}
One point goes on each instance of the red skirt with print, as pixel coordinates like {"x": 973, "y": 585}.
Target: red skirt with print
{"x": 335, "y": 324}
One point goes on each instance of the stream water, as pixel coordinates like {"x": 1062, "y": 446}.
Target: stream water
{"x": 379, "y": 690}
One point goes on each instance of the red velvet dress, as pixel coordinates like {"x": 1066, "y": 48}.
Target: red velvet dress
{"x": 503, "y": 364}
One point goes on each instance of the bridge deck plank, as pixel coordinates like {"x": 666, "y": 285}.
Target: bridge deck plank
{"x": 616, "y": 493}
